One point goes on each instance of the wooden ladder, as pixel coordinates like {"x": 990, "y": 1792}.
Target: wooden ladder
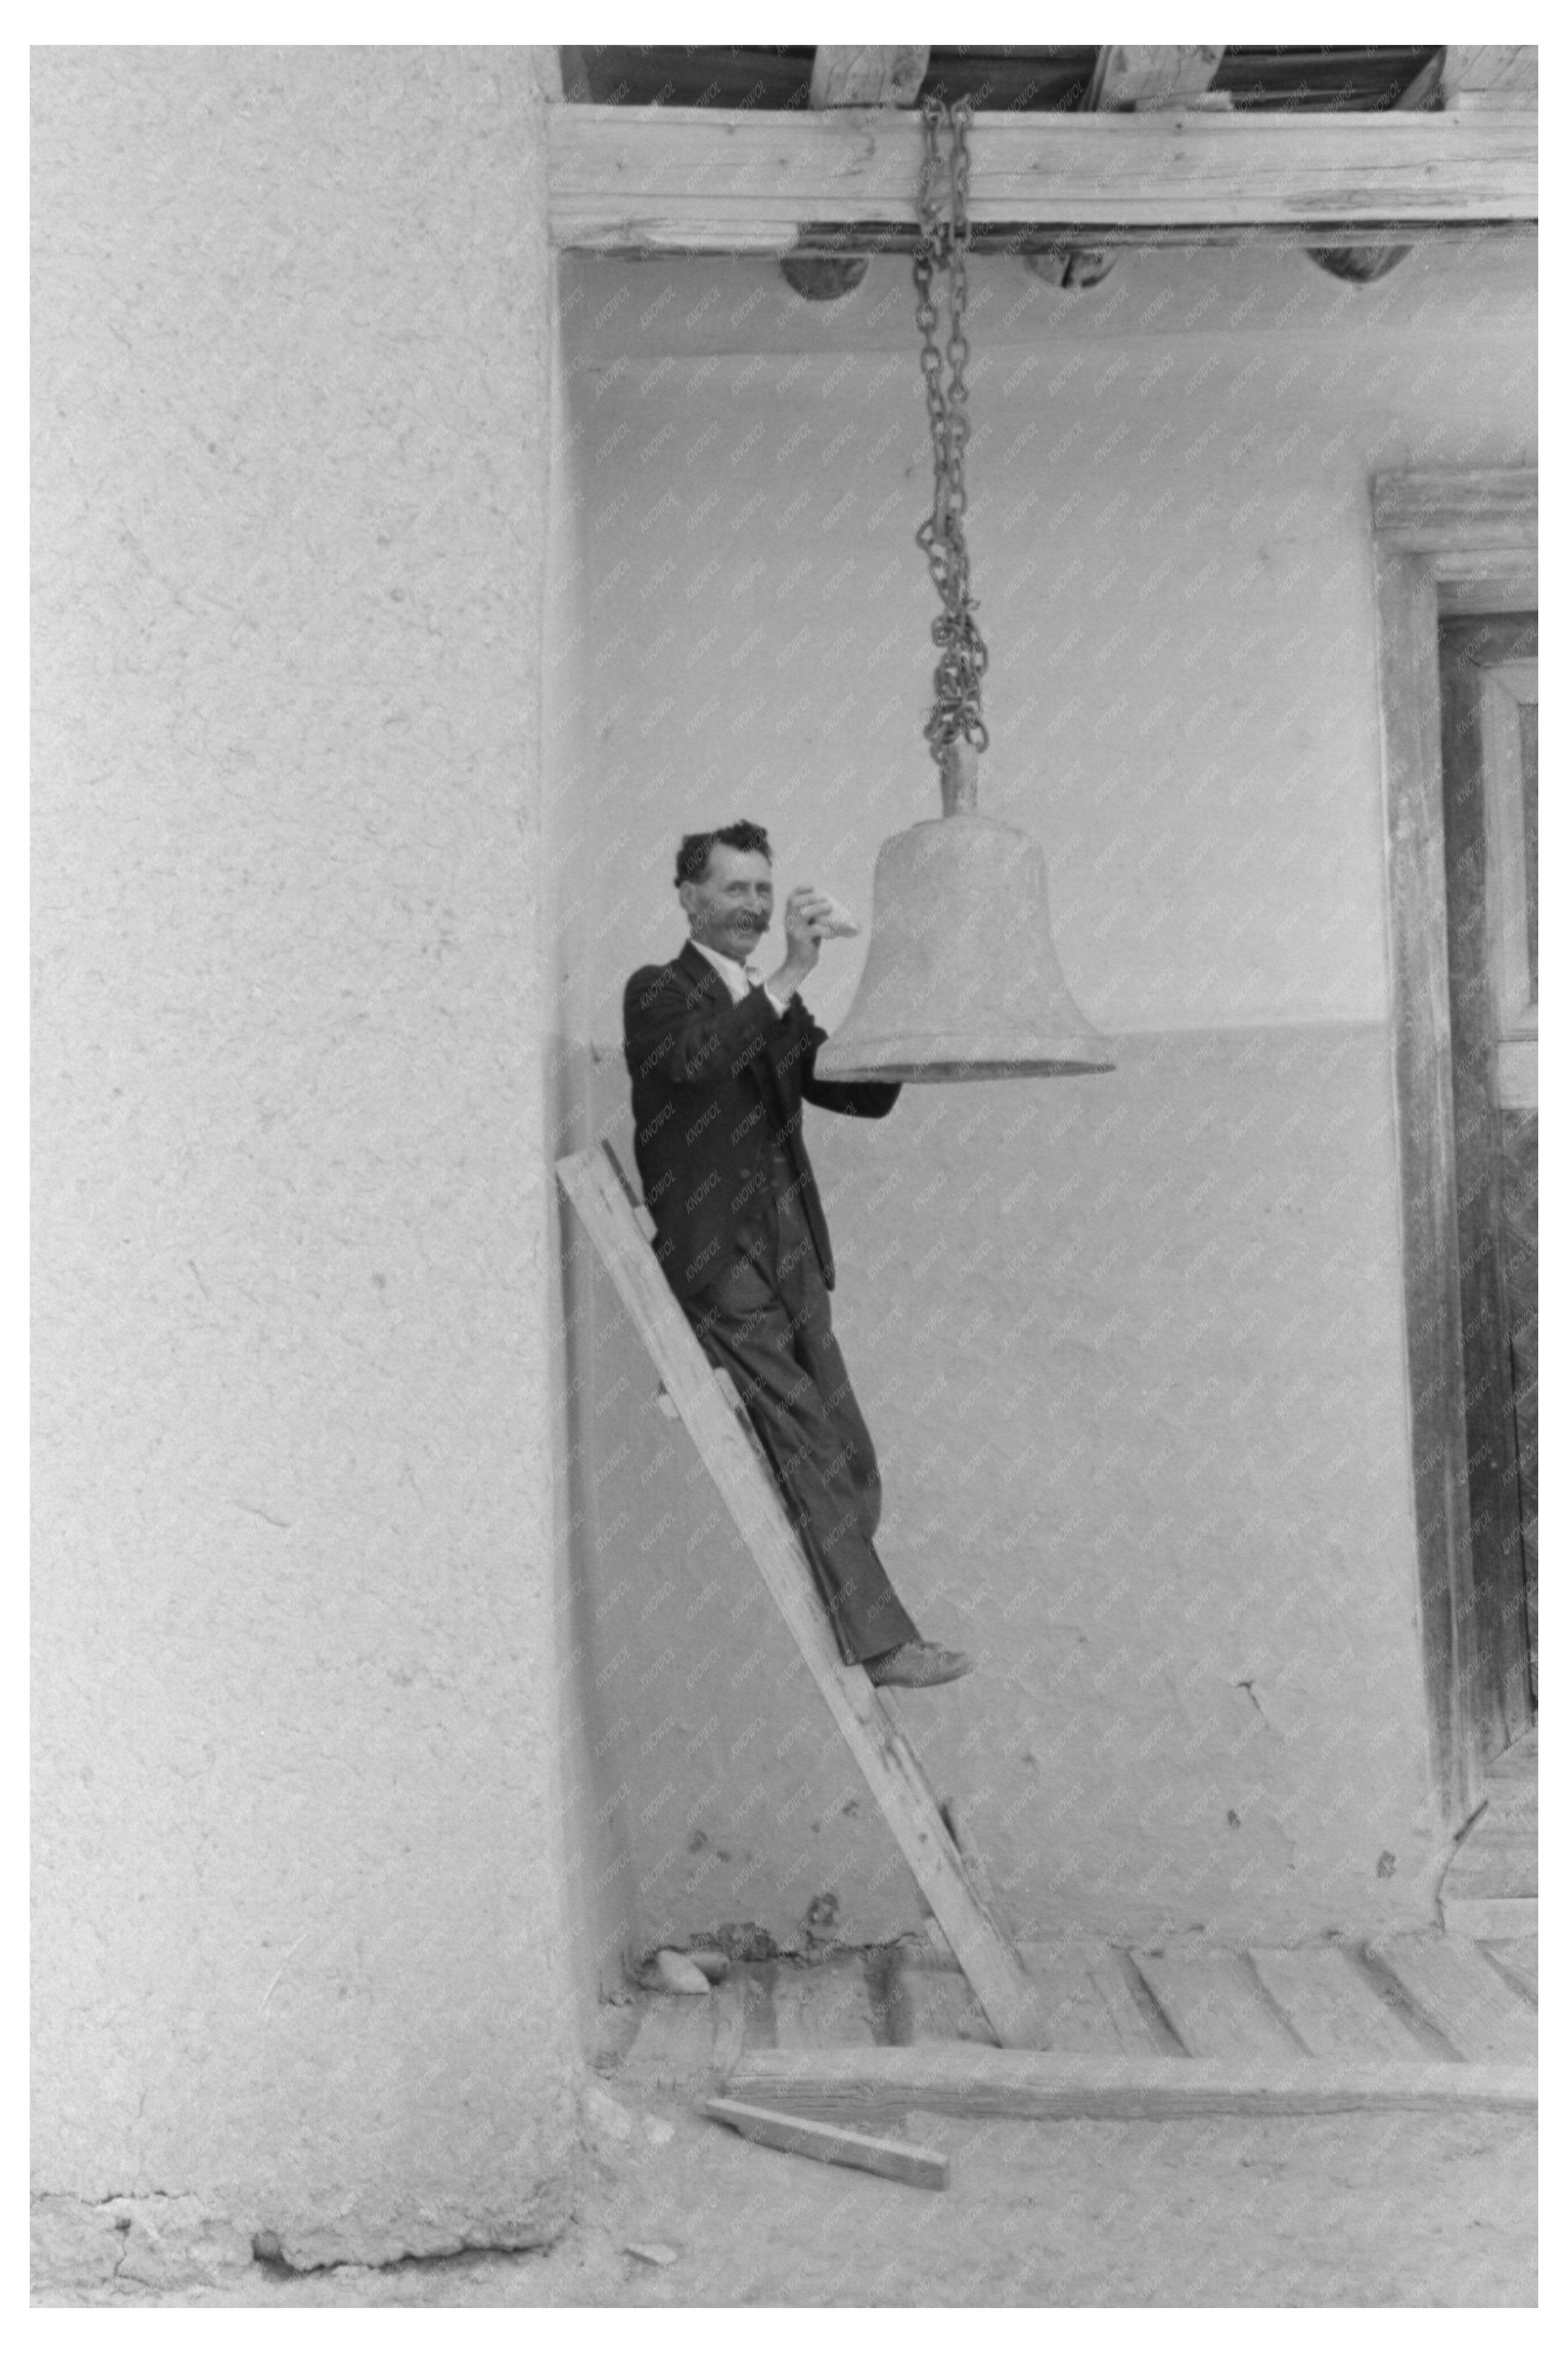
{"x": 706, "y": 1400}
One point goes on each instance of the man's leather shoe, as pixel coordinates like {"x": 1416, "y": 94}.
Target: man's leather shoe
{"x": 918, "y": 1664}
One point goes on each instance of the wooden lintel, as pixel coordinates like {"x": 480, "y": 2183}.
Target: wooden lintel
{"x": 702, "y": 180}
{"x": 971, "y": 2080}
{"x": 1467, "y": 510}
{"x": 1151, "y": 77}
{"x": 868, "y": 77}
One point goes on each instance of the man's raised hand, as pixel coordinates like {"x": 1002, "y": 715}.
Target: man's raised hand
{"x": 807, "y": 912}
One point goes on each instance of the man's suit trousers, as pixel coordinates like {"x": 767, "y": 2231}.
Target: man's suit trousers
{"x": 767, "y": 1319}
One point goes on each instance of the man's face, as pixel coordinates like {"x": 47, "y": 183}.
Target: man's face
{"x": 732, "y": 906}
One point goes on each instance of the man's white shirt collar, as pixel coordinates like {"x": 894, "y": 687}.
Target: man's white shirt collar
{"x": 739, "y": 979}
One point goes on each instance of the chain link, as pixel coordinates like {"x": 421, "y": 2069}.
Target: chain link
{"x": 941, "y": 252}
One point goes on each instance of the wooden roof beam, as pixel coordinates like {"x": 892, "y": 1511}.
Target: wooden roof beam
{"x": 709, "y": 180}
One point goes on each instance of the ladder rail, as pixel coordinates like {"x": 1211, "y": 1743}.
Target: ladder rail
{"x": 596, "y": 1184}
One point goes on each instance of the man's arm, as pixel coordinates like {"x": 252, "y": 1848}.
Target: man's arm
{"x": 859, "y": 1098}
{"x": 691, "y": 1044}
{"x": 805, "y": 919}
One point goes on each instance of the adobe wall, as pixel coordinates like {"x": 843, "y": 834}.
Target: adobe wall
{"x": 1132, "y": 1346}
{"x": 302, "y": 1960}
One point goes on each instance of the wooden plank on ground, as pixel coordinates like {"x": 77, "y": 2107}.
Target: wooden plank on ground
{"x": 970, "y": 2080}
{"x": 937, "y": 2005}
{"x": 1518, "y": 1958}
{"x": 1505, "y": 1863}
{"x": 1073, "y": 2004}
{"x": 1331, "y": 2004}
{"x": 1075, "y": 2015}
{"x": 823, "y": 2006}
{"x": 1468, "y": 2002}
{"x": 1215, "y": 2004}
{"x": 895, "y": 2160}
{"x": 1138, "y": 2034}
{"x": 1490, "y": 1919}
{"x": 594, "y": 1184}
{"x": 723, "y": 180}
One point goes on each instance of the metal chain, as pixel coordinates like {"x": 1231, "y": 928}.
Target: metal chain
{"x": 942, "y": 249}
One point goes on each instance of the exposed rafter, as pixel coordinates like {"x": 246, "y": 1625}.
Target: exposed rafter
{"x": 1481, "y": 80}
{"x": 1363, "y": 265}
{"x": 1129, "y": 80}
{"x": 1012, "y": 79}
{"x": 852, "y": 78}
{"x": 626, "y": 179}
{"x": 1126, "y": 78}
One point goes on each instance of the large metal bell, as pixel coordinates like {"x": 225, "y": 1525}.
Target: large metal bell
{"x": 961, "y": 979}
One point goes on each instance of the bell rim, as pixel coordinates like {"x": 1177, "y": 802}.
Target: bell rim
{"x": 915, "y": 1074}
{"x": 948, "y": 1054}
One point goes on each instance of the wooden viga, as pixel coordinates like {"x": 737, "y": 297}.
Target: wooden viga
{"x": 706, "y": 1400}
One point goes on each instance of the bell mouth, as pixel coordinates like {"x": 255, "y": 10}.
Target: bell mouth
{"x": 914, "y": 1074}
{"x": 914, "y": 1061}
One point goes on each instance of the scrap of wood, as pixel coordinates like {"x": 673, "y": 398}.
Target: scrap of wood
{"x": 597, "y": 1188}
{"x": 896, "y": 2160}
{"x": 889, "y": 77}
{"x": 970, "y": 2080}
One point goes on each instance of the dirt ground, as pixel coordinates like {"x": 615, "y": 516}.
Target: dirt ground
{"x": 1371, "y": 2209}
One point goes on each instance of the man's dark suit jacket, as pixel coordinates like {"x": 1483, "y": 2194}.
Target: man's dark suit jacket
{"x": 713, "y": 1082}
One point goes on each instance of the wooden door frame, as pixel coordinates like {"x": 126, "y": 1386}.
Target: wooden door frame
{"x": 1442, "y": 543}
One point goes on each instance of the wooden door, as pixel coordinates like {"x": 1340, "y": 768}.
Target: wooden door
{"x": 1489, "y": 676}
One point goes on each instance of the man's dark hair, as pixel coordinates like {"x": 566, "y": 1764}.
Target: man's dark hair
{"x": 692, "y": 858}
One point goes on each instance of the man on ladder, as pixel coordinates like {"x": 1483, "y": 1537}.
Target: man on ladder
{"x": 721, "y": 1061}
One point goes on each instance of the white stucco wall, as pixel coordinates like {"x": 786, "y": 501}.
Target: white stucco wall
{"x": 1131, "y": 1348}
{"x": 300, "y": 1914}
